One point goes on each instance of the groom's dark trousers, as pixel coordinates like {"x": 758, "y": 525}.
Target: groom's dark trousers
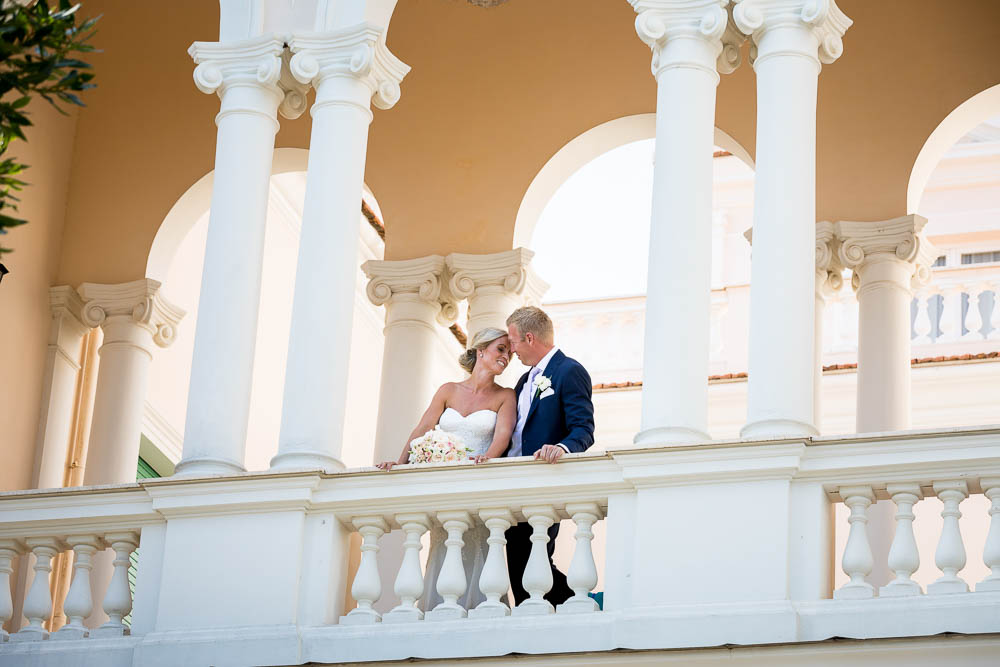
{"x": 518, "y": 551}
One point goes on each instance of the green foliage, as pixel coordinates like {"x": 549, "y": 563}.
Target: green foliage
{"x": 39, "y": 49}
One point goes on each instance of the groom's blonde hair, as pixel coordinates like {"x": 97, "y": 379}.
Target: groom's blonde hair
{"x": 531, "y": 319}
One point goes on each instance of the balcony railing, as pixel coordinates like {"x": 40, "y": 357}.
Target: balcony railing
{"x": 726, "y": 543}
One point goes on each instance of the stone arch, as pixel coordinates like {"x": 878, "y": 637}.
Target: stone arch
{"x": 584, "y": 148}
{"x": 963, "y": 118}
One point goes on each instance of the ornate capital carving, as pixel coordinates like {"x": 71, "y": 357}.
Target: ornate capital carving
{"x": 294, "y": 101}
{"x": 902, "y": 238}
{"x": 510, "y": 271}
{"x": 422, "y": 278}
{"x": 254, "y": 61}
{"x": 823, "y": 18}
{"x": 358, "y": 52}
{"x": 139, "y": 300}
{"x": 659, "y": 21}
{"x": 829, "y": 278}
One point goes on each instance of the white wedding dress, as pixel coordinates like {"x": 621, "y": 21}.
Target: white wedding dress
{"x": 476, "y": 431}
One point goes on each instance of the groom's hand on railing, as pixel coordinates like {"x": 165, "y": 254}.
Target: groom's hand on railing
{"x": 550, "y": 453}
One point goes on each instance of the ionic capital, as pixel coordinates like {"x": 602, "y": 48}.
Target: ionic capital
{"x": 422, "y": 279}
{"x": 661, "y": 21}
{"x": 140, "y": 301}
{"x": 823, "y": 19}
{"x": 509, "y": 272}
{"x": 900, "y": 239}
{"x": 254, "y": 61}
{"x": 829, "y": 278}
{"x": 358, "y": 53}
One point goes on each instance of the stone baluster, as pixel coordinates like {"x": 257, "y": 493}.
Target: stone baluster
{"x": 38, "y": 601}
{"x": 858, "y": 560}
{"x": 118, "y": 598}
{"x": 537, "y": 579}
{"x": 950, "y": 325}
{"x": 79, "y": 602}
{"x": 973, "y": 318}
{"x": 367, "y": 586}
{"x": 922, "y": 325}
{"x": 9, "y": 549}
{"x": 995, "y": 316}
{"x": 410, "y": 580}
{"x": 494, "y": 580}
{"x": 950, "y": 554}
{"x": 451, "y": 583}
{"x": 582, "y": 575}
{"x": 903, "y": 556}
{"x": 991, "y": 554}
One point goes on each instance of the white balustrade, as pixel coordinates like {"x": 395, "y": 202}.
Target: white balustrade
{"x": 973, "y": 318}
{"x": 38, "y": 601}
{"x": 537, "y": 579}
{"x": 118, "y": 599}
{"x": 903, "y": 556}
{"x": 8, "y": 551}
{"x": 582, "y": 575}
{"x": 950, "y": 322}
{"x": 991, "y": 553}
{"x": 410, "y": 581}
{"x": 451, "y": 583}
{"x": 78, "y": 604}
{"x": 922, "y": 325}
{"x": 994, "y": 333}
{"x": 950, "y": 554}
{"x": 494, "y": 580}
{"x": 858, "y": 560}
{"x": 367, "y": 586}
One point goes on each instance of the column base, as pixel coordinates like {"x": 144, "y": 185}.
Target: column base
{"x": 207, "y": 467}
{"x": 578, "y": 605}
{"x": 70, "y": 632}
{"x": 403, "y": 614}
{"x": 306, "y": 460}
{"x": 533, "y": 607}
{"x": 862, "y": 591}
{"x": 899, "y": 589}
{"x": 445, "y": 612}
{"x": 110, "y": 630}
{"x": 669, "y": 435}
{"x": 359, "y": 616}
{"x": 489, "y": 609}
{"x": 765, "y": 429}
{"x": 947, "y": 586}
{"x": 29, "y": 634}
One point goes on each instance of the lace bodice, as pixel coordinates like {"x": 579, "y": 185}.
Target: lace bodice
{"x": 475, "y": 430}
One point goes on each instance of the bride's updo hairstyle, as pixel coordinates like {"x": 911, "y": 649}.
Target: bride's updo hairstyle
{"x": 480, "y": 341}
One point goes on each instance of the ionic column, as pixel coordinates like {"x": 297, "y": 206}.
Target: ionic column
{"x": 888, "y": 259}
{"x": 415, "y": 306}
{"x": 691, "y": 41}
{"x": 245, "y": 75}
{"x": 495, "y": 285}
{"x": 59, "y": 389}
{"x": 135, "y": 318}
{"x": 350, "y": 68}
{"x": 792, "y": 39}
{"x": 828, "y": 282}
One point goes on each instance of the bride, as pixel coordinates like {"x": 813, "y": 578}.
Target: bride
{"x": 482, "y": 414}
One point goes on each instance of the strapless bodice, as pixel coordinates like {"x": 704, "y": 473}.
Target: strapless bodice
{"x": 475, "y": 429}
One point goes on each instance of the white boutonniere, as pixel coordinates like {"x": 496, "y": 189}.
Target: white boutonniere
{"x": 542, "y": 385}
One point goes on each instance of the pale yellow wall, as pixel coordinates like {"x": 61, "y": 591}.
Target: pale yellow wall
{"x": 24, "y": 293}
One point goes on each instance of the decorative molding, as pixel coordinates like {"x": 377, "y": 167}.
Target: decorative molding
{"x": 510, "y": 271}
{"x": 829, "y": 278}
{"x": 423, "y": 278}
{"x": 295, "y": 94}
{"x": 822, "y": 17}
{"x": 140, "y": 300}
{"x": 900, "y": 237}
{"x": 659, "y": 21}
{"x": 359, "y": 51}
{"x": 254, "y": 61}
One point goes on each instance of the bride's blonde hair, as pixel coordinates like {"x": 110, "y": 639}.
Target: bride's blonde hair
{"x": 480, "y": 341}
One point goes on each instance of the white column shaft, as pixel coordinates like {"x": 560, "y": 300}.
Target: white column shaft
{"x": 222, "y": 365}
{"x": 782, "y": 298}
{"x": 319, "y": 345}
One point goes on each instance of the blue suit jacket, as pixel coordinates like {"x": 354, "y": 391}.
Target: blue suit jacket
{"x": 565, "y": 417}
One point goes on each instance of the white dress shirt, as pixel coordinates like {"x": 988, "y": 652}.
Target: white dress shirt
{"x": 524, "y": 403}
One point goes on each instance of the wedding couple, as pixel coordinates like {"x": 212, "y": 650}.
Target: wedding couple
{"x": 547, "y": 414}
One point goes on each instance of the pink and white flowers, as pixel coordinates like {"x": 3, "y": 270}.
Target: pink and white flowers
{"x": 437, "y": 446}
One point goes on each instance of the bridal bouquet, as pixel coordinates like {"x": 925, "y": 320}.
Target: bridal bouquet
{"x": 437, "y": 446}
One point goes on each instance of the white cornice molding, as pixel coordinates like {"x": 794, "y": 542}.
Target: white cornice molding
{"x": 359, "y": 51}
{"x": 659, "y": 21}
{"x": 901, "y": 237}
{"x": 141, "y": 300}
{"x": 510, "y": 271}
{"x": 823, "y": 18}
{"x": 251, "y": 61}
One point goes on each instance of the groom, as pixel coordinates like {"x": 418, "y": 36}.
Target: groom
{"x": 555, "y": 416}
